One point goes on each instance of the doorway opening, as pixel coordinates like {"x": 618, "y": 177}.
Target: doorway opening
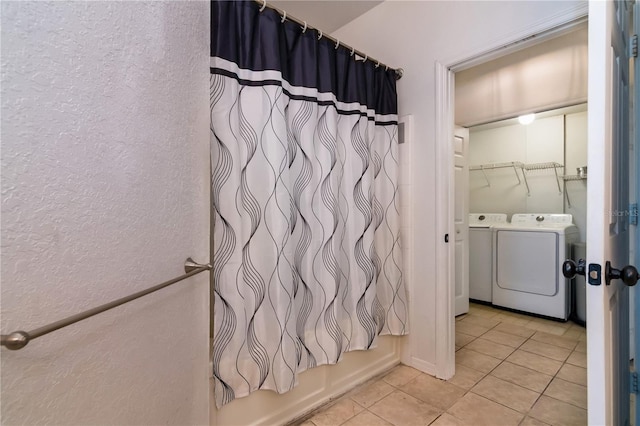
{"x": 512, "y": 171}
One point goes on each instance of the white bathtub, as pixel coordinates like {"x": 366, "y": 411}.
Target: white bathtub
{"x": 315, "y": 387}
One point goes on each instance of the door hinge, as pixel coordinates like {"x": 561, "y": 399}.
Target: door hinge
{"x": 633, "y": 214}
{"x": 633, "y": 382}
{"x": 633, "y": 45}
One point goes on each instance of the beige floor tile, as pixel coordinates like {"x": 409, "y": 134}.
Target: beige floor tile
{"x": 447, "y": 420}
{"x": 558, "y": 330}
{"x": 573, "y": 374}
{"x": 435, "y": 392}
{"x": 515, "y": 315}
{"x": 525, "y": 377}
{"x": 506, "y": 393}
{"x": 504, "y": 338}
{"x": 535, "y": 362}
{"x": 462, "y": 339}
{"x": 399, "y": 408}
{"x": 516, "y": 330}
{"x": 490, "y": 348}
{"x": 583, "y": 336}
{"x": 552, "y": 339}
{"x": 544, "y": 349}
{"x": 481, "y": 320}
{"x": 372, "y": 393}
{"x": 516, "y": 319}
{"x": 530, "y": 421}
{"x": 483, "y": 311}
{"x": 554, "y": 412}
{"x": 567, "y": 392}
{"x": 367, "y": 418}
{"x": 476, "y": 360}
{"x": 582, "y": 347}
{"x": 337, "y": 413}
{"x": 551, "y": 323}
{"x": 475, "y": 410}
{"x": 465, "y": 377}
{"x": 401, "y": 375}
{"x": 470, "y": 329}
{"x": 573, "y": 333}
{"x": 578, "y": 358}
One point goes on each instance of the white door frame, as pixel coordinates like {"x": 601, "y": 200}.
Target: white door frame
{"x": 445, "y": 117}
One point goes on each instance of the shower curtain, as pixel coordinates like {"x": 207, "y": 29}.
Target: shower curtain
{"x": 307, "y": 258}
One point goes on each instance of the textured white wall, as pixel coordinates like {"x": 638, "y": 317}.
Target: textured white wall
{"x": 414, "y": 35}
{"x": 105, "y": 192}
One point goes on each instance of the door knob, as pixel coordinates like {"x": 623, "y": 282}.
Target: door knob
{"x": 570, "y": 269}
{"x": 629, "y": 274}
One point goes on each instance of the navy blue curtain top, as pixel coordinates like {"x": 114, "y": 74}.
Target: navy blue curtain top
{"x": 259, "y": 41}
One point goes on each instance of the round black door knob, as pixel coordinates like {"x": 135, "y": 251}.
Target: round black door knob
{"x": 629, "y": 275}
{"x": 570, "y": 269}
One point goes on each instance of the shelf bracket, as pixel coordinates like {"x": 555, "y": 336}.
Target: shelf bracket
{"x": 485, "y": 176}
{"x": 516, "y": 172}
{"x": 524, "y": 175}
{"x": 566, "y": 194}
{"x": 555, "y": 170}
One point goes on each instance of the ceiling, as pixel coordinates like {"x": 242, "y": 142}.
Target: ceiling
{"x": 325, "y": 15}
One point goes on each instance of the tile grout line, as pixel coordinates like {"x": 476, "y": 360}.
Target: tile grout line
{"x": 505, "y": 359}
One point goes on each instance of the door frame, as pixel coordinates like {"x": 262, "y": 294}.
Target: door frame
{"x": 445, "y": 70}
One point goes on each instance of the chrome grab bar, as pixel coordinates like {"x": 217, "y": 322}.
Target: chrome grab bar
{"x": 19, "y": 339}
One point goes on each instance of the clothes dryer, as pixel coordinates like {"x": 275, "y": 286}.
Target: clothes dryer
{"x": 481, "y": 253}
{"x": 527, "y": 272}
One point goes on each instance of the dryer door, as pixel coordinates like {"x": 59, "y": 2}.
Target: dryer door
{"x": 527, "y": 261}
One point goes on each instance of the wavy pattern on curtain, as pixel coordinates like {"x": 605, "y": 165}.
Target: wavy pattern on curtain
{"x": 307, "y": 258}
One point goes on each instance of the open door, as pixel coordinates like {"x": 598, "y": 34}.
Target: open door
{"x": 608, "y": 212}
{"x": 635, "y": 189}
{"x": 461, "y": 218}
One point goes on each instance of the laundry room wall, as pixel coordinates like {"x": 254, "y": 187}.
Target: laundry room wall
{"x": 576, "y": 156}
{"x": 558, "y": 138}
{"x": 504, "y": 190}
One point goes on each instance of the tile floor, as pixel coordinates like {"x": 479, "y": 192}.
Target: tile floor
{"x": 511, "y": 369}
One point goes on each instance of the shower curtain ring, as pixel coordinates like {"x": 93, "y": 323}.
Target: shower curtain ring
{"x": 353, "y": 50}
{"x": 264, "y": 4}
{"x": 284, "y": 16}
{"x": 319, "y": 34}
{"x": 337, "y": 44}
{"x": 365, "y": 58}
{"x": 386, "y": 67}
{"x": 304, "y": 30}
{"x": 377, "y": 64}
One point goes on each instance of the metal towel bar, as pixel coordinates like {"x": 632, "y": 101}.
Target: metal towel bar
{"x": 19, "y": 339}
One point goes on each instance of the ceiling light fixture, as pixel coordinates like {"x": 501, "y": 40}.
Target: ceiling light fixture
{"x": 526, "y": 119}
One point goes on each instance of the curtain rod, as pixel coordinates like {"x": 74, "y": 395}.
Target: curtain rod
{"x": 303, "y": 24}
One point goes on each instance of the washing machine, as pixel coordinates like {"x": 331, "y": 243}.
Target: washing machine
{"x": 528, "y": 254}
{"x": 481, "y": 253}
